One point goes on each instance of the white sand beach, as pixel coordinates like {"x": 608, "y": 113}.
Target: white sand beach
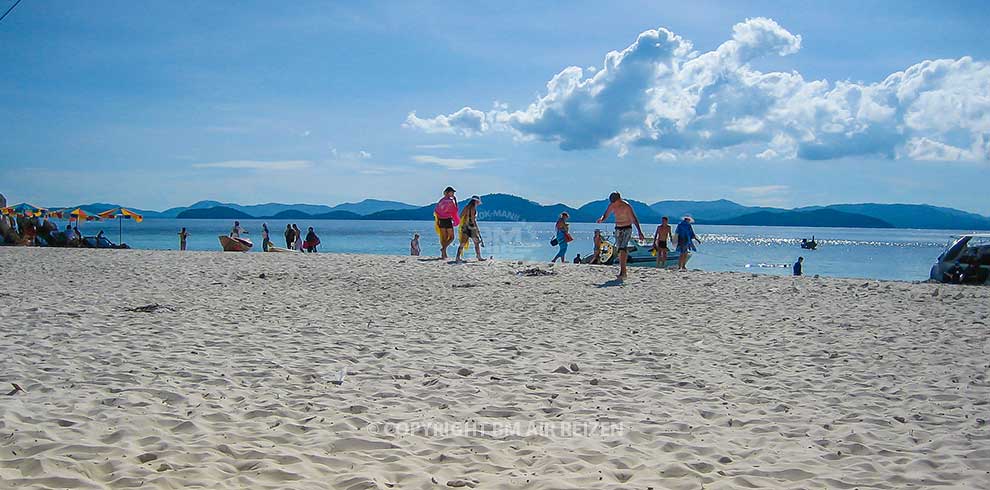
{"x": 473, "y": 376}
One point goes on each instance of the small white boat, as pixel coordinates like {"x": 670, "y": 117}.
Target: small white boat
{"x": 231, "y": 244}
{"x": 639, "y": 253}
{"x": 272, "y": 248}
{"x": 965, "y": 261}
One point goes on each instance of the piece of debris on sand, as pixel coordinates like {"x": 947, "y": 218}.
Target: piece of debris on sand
{"x": 535, "y": 271}
{"x": 151, "y": 308}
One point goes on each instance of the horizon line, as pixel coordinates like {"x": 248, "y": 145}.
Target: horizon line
{"x": 221, "y": 203}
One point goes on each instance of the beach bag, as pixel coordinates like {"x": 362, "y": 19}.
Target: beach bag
{"x": 553, "y": 242}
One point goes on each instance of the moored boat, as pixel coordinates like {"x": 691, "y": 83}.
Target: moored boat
{"x": 231, "y": 244}
{"x": 273, "y": 248}
{"x": 639, "y": 253}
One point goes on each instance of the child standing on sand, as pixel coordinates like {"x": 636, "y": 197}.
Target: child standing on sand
{"x": 414, "y": 245}
{"x": 183, "y": 234}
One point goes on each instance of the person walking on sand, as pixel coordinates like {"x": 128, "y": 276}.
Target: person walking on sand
{"x": 237, "y": 230}
{"x": 265, "y": 237}
{"x": 297, "y": 241}
{"x": 660, "y": 239}
{"x": 798, "y": 266}
{"x": 290, "y": 236}
{"x": 447, "y": 218}
{"x": 625, "y": 218}
{"x": 312, "y": 241}
{"x": 183, "y": 235}
{"x": 469, "y": 229}
{"x": 414, "y": 245}
{"x": 563, "y": 233}
{"x": 685, "y": 241}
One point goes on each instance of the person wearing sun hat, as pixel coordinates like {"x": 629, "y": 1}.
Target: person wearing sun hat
{"x": 446, "y": 216}
{"x": 685, "y": 241}
{"x": 469, "y": 228}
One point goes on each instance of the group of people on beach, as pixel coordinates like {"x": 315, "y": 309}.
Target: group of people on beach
{"x": 41, "y": 231}
{"x": 293, "y": 237}
{"x": 448, "y": 218}
{"x": 453, "y": 224}
{"x": 625, "y": 219}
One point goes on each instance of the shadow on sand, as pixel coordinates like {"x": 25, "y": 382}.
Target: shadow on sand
{"x": 610, "y": 284}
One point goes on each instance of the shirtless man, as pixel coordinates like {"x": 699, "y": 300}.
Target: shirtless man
{"x": 625, "y": 218}
{"x": 660, "y": 239}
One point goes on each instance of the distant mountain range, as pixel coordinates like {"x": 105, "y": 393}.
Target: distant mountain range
{"x": 821, "y": 217}
{"x": 504, "y": 207}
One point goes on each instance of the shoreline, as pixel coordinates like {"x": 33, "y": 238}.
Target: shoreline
{"x": 471, "y": 375}
{"x": 430, "y": 258}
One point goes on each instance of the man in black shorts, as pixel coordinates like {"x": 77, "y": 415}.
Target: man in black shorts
{"x": 660, "y": 239}
{"x": 625, "y": 218}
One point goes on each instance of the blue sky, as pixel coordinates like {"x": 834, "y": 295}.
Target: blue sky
{"x": 162, "y": 103}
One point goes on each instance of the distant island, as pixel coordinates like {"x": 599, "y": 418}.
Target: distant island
{"x": 505, "y": 207}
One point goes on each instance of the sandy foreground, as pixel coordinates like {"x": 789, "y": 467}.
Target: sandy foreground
{"x": 473, "y": 376}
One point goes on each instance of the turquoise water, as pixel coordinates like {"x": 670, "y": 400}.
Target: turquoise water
{"x": 843, "y": 252}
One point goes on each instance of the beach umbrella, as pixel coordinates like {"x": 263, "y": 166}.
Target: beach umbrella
{"x": 121, "y": 214}
{"x": 79, "y": 215}
{"x": 23, "y": 209}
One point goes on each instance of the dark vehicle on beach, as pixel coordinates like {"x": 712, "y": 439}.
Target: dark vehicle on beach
{"x": 965, "y": 261}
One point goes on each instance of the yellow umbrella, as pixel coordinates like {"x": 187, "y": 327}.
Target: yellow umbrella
{"x": 122, "y": 214}
{"x": 79, "y": 215}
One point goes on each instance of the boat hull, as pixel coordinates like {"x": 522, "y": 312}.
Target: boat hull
{"x": 639, "y": 254}
{"x": 281, "y": 250}
{"x": 235, "y": 244}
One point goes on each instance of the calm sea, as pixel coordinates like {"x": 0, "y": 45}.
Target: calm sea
{"x": 842, "y": 252}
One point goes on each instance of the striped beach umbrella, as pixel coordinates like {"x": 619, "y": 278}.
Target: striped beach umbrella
{"x": 121, "y": 214}
{"x": 23, "y": 209}
{"x": 79, "y": 214}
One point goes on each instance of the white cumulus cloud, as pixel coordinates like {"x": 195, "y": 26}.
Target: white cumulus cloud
{"x": 660, "y": 93}
{"x": 465, "y": 122}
